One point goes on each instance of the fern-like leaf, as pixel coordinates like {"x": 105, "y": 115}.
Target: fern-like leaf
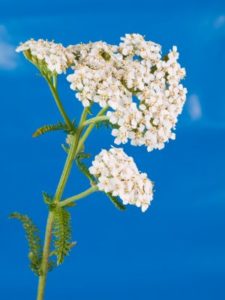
{"x": 52, "y": 127}
{"x": 62, "y": 232}
{"x": 107, "y": 124}
{"x": 116, "y": 202}
{"x": 34, "y": 241}
{"x": 51, "y": 265}
{"x": 47, "y": 198}
{"x": 83, "y": 168}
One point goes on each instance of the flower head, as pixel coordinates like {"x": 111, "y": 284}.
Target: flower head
{"x": 140, "y": 86}
{"x": 96, "y": 76}
{"x": 56, "y": 57}
{"x": 118, "y": 174}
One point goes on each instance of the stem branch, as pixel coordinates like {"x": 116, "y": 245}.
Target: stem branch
{"x": 78, "y": 196}
{"x": 90, "y": 128}
{"x": 95, "y": 120}
{"x": 74, "y": 149}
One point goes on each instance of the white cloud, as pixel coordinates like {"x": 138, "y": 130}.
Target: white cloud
{"x": 219, "y": 22}
{"x": 7, "y": 51}
{"x": 194, "y": 107}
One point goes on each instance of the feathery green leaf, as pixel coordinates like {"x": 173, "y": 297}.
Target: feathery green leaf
{"x": 116, "y": 202}
{"x": 34, "y": 241}
{"x": 82, "y": 155}
{"x": 83, "y": 168}
{"x": 52, "y": 127}
{"x": 62, "y": 233}
{"x": 47, "y": 198}
{"x": 107, "y": 124}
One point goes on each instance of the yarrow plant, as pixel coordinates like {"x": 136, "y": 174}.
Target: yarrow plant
{"x": 140, "y": 95}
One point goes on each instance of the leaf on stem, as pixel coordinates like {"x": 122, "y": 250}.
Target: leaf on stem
{"x": 115, "y": 201}
{"x": 52, "y": 127}
{"x": 89, "y": 109}
{"x": 107, "y": 124}
{"x": 34, "y": 241}
{"x": 104, "y": 123}
{"x": 83, "y": 168}
{"x": 62, "y": 234}
{"x": 47, "y": 198}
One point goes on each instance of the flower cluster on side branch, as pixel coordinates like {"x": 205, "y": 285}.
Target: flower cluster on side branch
{"x": 118, "y": 174}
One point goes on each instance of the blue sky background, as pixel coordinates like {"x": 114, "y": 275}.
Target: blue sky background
{"x": 176, "y": 250}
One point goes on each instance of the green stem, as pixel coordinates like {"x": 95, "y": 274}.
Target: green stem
{"x": 70, "y": 157}
{"x": 58, "y": 194}
{"x": 54, "y": 81}
{"x": 50, "y": 221}
{"x": 95, "y": 120}
{"x": 45, "y": 255}
{"x": 53, "y": 87}
{"x": 78, "y": 196}
{"x": 74, "y": 149}
{"x": 67, "y": 168}
{"x": 83, "y": 116}
{"x": 102, "y": 111}
{"x": 58, "y": 102}
{"x": 89, "y": 129}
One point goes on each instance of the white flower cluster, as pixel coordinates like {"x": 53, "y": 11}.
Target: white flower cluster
{"x": 140, "y": 86}
{"x": 135, "y": 44}
{"x": 97, "y": 76}
{"x": 56, "y": 57}
{"x": 118, "y": 174}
